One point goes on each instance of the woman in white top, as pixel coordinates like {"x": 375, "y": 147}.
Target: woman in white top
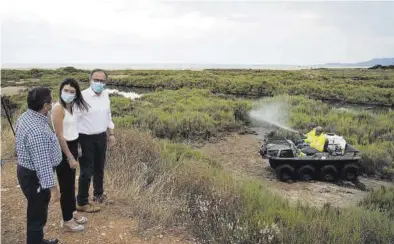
{"x": 65, "y": 125}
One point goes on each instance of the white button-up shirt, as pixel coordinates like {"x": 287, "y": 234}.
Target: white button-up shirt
{"x": 98, "y": 119}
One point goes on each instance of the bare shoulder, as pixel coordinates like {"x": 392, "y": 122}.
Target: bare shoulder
{"x": 58, "y": 110}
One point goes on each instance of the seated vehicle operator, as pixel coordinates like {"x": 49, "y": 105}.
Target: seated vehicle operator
{"x": 318, "y": 140}
{"x": 310, "y": 136}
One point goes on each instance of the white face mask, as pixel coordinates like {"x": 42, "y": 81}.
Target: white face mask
{"x": 67, "y": 97}
{"x": 97, "y": 86}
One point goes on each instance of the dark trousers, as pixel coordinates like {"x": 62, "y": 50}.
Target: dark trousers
{"x": 91, "y": 163}
{"x": 37, "y": 204}
{"x": 66, "y": 179}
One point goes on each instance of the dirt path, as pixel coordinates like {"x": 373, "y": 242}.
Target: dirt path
{"x": 109, "y": 226}
{"x": 239, "y": 154}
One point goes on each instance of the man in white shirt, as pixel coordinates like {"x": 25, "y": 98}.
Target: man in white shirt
{"x": 93, "y": 127}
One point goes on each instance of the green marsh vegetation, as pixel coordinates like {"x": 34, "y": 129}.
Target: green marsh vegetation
{"x": 355, "y": 86}
{"x": 364, "y": 86}
{"x": 183, "y": 114}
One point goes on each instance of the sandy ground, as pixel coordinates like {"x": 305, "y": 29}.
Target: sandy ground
{"x": 240, "y": 155}
{"x": 11, "y": 90}
{"x": 111, "y": 225}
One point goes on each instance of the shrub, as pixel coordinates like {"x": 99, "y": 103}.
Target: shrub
{"x": 187, "y": 114}
{"x": 381, "y": 199}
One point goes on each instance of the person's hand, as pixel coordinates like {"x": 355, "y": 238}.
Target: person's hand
{"x": 112, "y": 141}
{"x": 55, "y": 194}
{"x": 73, "y": 163}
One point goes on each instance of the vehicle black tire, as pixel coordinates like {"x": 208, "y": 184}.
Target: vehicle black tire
{"x": 306, "y": 173}
{"x": 285, "y": 172}
{"x": 328, "y": 173}
{"x": 350, "y": 172}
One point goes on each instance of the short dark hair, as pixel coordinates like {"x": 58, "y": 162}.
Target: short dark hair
{"x": 37, "y": 97}
{"x": 98, "y": 70}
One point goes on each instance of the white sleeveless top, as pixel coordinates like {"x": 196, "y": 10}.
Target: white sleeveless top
{"x": 70, "y": 126}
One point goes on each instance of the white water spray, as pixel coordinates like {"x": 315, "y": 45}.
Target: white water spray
{"x": 272, "y": 111}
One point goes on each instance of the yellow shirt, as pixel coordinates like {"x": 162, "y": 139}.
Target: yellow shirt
{"x": 318, "y": 142}
{"x": 310, "y": 136}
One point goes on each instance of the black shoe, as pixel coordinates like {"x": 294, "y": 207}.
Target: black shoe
{"x": 50, "y": 241}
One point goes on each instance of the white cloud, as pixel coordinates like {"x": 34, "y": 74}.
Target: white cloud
{"x": 146, "y": 19}
{"x": 212, "y": 32}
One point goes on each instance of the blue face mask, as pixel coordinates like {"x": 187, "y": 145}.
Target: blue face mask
{"x": 97, "y": 86}
{"x": 67, "y": 97}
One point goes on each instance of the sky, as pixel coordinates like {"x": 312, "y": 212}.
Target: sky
{"x": 213, "y": 32}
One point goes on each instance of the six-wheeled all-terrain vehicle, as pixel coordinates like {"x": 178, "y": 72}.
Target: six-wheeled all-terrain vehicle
{"x": 338, "y": 161}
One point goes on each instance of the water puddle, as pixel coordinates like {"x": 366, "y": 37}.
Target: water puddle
{"x": 352, "y": 108}
{"x": 131, "y": 95}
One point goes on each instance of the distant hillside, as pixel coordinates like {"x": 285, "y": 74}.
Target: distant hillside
{"x": 372, "y": 62}
{"x": 382, "y": 67}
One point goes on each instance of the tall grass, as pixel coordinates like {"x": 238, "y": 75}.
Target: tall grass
{"x": 138, "y": 175}
{"x": 381, "y": 199}
{"x": 8, "y": 150}
{"x": 7, "y": 139}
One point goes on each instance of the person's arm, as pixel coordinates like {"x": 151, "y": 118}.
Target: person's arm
{"x": 308, "y": 139}
{"x": 111, "y": 126}
{"x": 40, "y": 147}
{"x": 57, "y": 118}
